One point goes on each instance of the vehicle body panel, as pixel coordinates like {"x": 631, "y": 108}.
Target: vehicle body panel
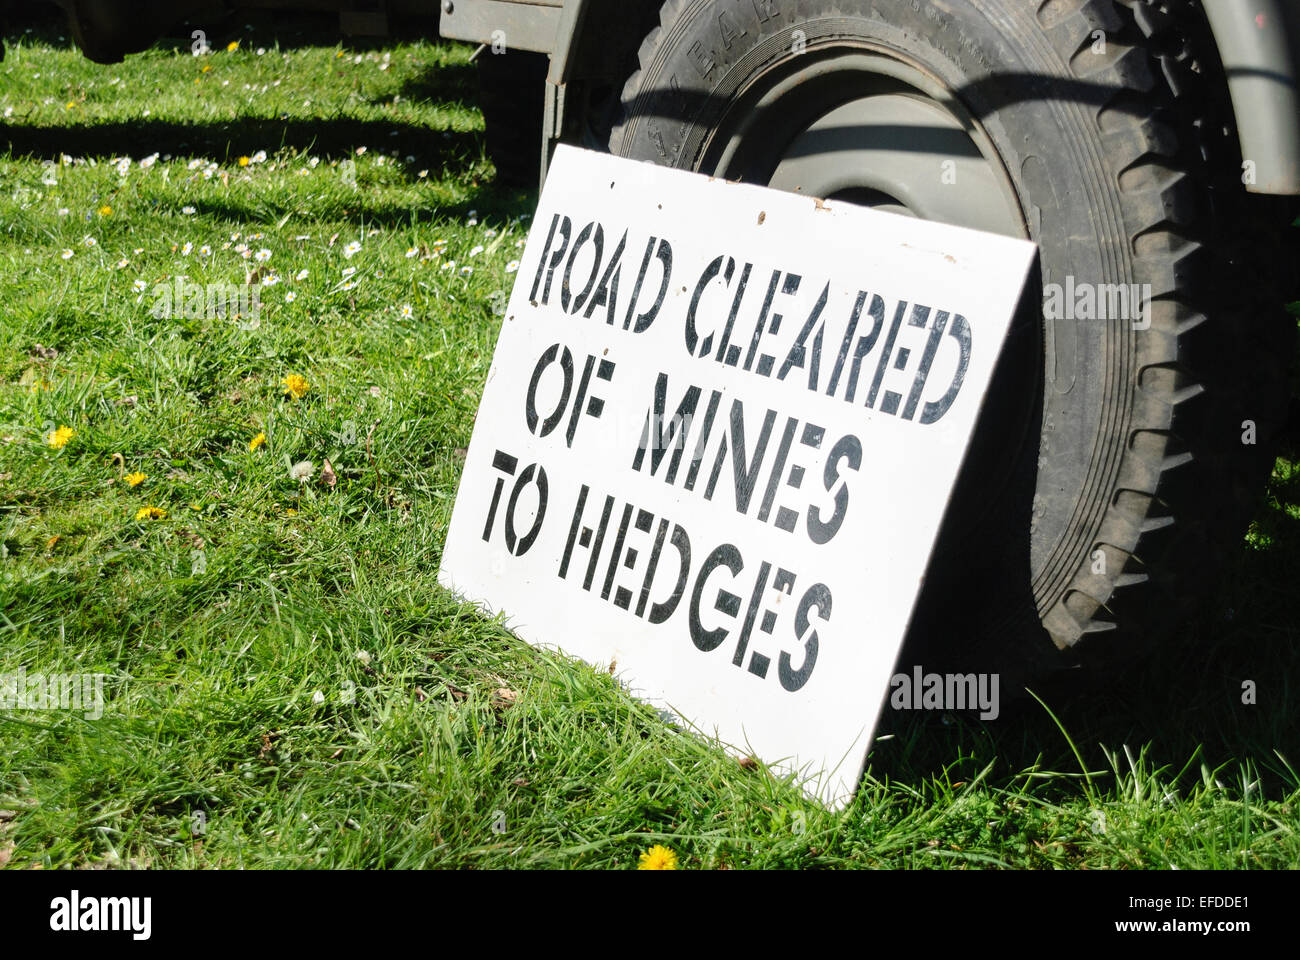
{"x": 1258, "y": 42}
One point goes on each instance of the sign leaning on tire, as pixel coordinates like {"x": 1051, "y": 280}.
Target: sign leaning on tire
{"x": 1126, "y": 432}
{"x": 705, "y": 399}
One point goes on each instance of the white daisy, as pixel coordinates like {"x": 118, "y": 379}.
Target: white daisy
{"x": 466, "y": 271}
{"x": 185, "y": 250}
{"x": 301, "y": 275}
{"x": 476, "y": 250}
{"x": 90, "y": 241}
{"x": 348, "y": 271}
{"x": 290, "y": 297}
{"x": 407, "y": 311}
{"x": 205, "y": 251}
{"x": 263, "y": 255}
{"x": 188, "y": 211}
{"x": 138, "y": 286}
{"x": 410, "y": 252}
{"x": 512, "y": 266}
{"x": 270, "y": 281}
{"x": 351, "y": 249}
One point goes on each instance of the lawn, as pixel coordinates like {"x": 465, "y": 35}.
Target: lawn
{"x": 237, "y": 520}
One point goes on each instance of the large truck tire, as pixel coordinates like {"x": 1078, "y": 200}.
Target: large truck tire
{"x": 1118, "y": 459}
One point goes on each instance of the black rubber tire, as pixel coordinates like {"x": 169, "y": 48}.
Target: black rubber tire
{"x": 512, "y": 97}
{"x": 1120, "y": 513}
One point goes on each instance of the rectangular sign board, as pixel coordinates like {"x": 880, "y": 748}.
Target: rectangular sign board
{"x": 717, "y": 438}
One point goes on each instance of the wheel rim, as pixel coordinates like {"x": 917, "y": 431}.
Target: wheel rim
{"x": 853, "y": 121}
{"x": 867, "y": 127}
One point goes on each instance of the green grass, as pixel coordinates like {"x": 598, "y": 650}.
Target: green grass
{"x": 287, "y": 684}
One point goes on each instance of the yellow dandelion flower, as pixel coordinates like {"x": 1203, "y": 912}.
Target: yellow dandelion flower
{"x": 150, "y": 513}
{"x": 256, "y": 442}
{"x": 105, "y": 211}
{"x": 59, "y": 438}
{"x": 207, "y": 68}
{"x": 244, "y": 161}
{"x": 49, "y": 544}
{"x": 296, "y": 386}
{"x": 232, "y": 46}
{"x": 71, "y": 105}
{"x": 658, "y": 858}
{"x": 135, "y": 479}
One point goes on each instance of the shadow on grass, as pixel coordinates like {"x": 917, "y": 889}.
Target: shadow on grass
{"x": 491, "y": 204}
{"x": 331, "y": 138}
{"x": 43, "y": 22}
{"x": 1187, "y": 700}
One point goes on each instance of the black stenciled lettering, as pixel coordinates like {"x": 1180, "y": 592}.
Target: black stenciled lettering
{"x": 727, "y": 352}
{"x": 506, "y": 464}
{"x": 595, "y": 233}
{"x": 660, "y": 612}
{"x": 899, "y": 311}
{"x": 711, "y": 271}
{"x": 959, "y": 331}
{"x": 565, "y": 227}
{"x": 848, "y": 449}
{"x": 548, "y": 357}
{"x": 664, "y": 254}
{"x": 607, "y": 292}
{"x": 817, "y": 597}
{"x": 724, "y": 555}
{"x": 701, "y": 442}
{"x": 573, "y": 530}
{"x": 927, "y": 358}
{"x": 920, "y": 316}
{"x": 616, "y": 554}
{"x": 653, "y": 434}
{"x": 797, "y": 356}
{"x": 778, "y": 468}
{"x": 751, "y": 613}
{"x": 761, "y": 327}
{"x": 520, "y": 545}
{"x": 744, "y": 474}
{"x": 866, "y": 344}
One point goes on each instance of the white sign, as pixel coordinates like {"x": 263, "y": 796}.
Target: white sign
{"x": 716, "y": 442}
